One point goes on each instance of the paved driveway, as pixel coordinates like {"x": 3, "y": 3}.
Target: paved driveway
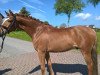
{"x": 19, "y": 58}
{"x": 13, "y": 47}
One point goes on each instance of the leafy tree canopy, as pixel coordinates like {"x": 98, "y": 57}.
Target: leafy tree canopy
{"x": 68, "y": 7}
{"x": 46, "y": 22}
{"x": 24, "y": 11}
{"x": 63, "y": 25}
{"x": 94, "y": 2}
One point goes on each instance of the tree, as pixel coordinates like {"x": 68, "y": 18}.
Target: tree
{"x": 94, "y": 2}
{"x": 24, "y": 12}
{"x": 56, "y": 26}
{"x": 46, "y": 22}
{"x": 63, "y": 25}
{"x": 68, "y": 7}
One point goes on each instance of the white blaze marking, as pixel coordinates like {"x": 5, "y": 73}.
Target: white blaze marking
{"x": 5, "y": 19}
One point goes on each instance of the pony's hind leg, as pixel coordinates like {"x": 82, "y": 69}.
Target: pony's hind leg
{"x": 49, "y": 63}
{"x": 88, "y": 58}
{"x": 95, "y": 60}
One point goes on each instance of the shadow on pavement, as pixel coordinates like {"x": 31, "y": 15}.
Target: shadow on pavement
{"x": 4, "y": 71}
{"x": 65, "y": 68}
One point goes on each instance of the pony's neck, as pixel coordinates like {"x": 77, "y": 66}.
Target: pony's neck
{"x": 28, "y": 25}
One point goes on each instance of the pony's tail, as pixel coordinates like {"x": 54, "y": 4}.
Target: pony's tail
{"x": 94, "y": 58}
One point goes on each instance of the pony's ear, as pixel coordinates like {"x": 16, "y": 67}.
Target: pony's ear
{"x": 7, "y": 13}
{"x": 1, "y": 15}
{"x": 11, "y": 13}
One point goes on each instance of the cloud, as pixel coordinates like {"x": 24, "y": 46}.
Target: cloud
{"x": 97, "y": 18}
{"x": 36, "y": 1}
{"x": 5, "y": 1}
{"x": 28, "y": 5}
{"x": 83, "y": 16}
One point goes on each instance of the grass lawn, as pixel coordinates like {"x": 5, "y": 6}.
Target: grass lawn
{"x": 98, "y": 47}
{"x": 22, "y": 35}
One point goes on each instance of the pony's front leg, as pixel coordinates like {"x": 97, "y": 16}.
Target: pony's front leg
{"x": 41, "y": 56}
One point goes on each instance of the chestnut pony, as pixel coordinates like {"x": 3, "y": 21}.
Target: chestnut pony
{"x": 46, "y": 38}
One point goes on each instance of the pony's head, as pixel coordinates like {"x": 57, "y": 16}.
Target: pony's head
{"x": 8, "y": 24}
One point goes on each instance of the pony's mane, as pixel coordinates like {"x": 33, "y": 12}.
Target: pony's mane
{"x": 31, "y": 18}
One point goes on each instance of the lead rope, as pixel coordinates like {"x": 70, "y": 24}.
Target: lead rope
{"x": 3, "y": 38}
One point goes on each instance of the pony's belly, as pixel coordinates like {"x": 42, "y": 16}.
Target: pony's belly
{"x": 60, "y": 48}
{"x": 55, "y": 51}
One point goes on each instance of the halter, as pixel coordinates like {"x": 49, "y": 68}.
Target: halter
{"x": 7, "y": 31}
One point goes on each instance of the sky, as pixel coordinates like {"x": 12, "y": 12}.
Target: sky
{"x": 44, "y": 10}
